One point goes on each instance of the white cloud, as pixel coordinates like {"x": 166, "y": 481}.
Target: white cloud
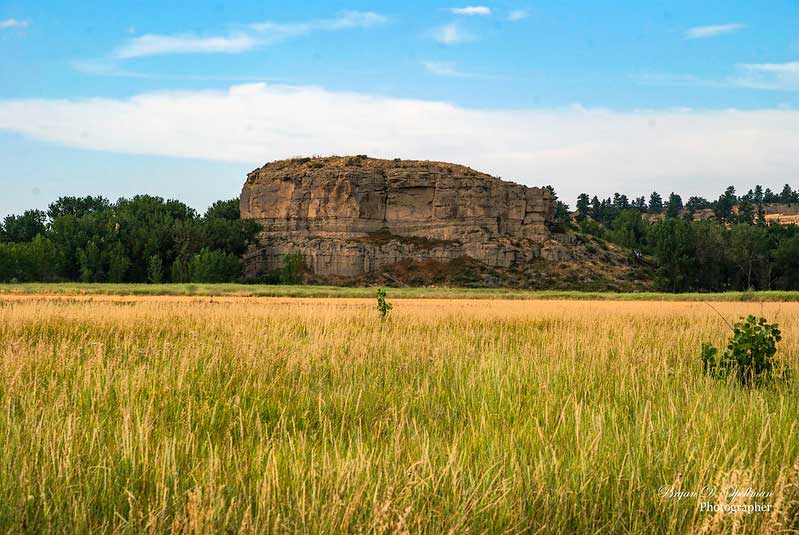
{"x": 763, "y": 76}
{"x": 675, "y": 80}
{"x": 154, "y": 45}
{"x": 769, "y": 76}
{"x": 247, "y": 38}
{"x": 113, "y": 69}
{"x": 450, "y": 34}
{"x": 791, "y": 67}
{"x": 14, "y": 23}
{"x": 344, "y": 20}
{"x": 518, "y": 14}
{"x": 575, "y": 149}
{"x": 105, "y": 68}
{"x": 471, "y": 10}
{"x": 702, "y": 32}
{"x": 448, "y": 69}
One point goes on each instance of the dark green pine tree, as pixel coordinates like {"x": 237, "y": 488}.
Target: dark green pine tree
{"x": 655, "y": 203}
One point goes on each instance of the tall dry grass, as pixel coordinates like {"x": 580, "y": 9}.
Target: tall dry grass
{"x": 186, "y": 415}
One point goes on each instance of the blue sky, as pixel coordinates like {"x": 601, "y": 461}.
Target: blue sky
{"x": 127, "y": 97}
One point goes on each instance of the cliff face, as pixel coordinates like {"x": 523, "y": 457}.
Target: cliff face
{"x": 353, "y": 215}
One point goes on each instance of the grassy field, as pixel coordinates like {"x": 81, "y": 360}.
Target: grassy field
{"x": 271, "y": 415}
{"x": 263, "y": 290}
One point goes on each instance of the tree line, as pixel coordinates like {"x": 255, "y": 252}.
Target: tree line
{"x": 734, "y": 249}
{"x": 143, "y": 239}
{"x": 149, "y": 239}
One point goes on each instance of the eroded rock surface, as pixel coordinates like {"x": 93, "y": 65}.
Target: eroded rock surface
{"x": 353, "y": 215}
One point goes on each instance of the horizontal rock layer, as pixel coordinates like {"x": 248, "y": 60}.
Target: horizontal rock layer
{"x": 352, "y": 215}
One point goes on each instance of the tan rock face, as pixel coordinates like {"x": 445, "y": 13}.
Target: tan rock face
{"x": 352, "y": 215}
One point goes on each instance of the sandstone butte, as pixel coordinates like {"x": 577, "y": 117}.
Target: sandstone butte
{"x": 349, "y": 216}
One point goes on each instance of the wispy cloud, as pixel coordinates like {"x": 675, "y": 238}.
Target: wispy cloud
{"x": 703, "y": 32}
{"x": 258, "y": 122}
{"x": 345, "y": 20}
{"x": 769, "y": 76}
{"x": 518, "y": 14}
{"x": 106, "y": 68}
{"x": 471, "y": 10}
{"x": 790, "y": 68}
{"x": 155, "y": 45}
{"x": 448, "y": 69}
{"x": 762, "y": 76}
{"x": 243, "y": 39}
{"x": 114, "y": 70}
{"x": 450, "y": 34}
{"x": 674, "y": 80}
{"x": 14, "y": 23}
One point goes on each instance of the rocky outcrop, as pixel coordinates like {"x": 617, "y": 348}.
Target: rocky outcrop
{"x": 353, "y": 215}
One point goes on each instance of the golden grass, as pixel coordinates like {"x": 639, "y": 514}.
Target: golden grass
{"x": 784, "y": 219}
{"x": 269, "y": 290}
{"x": 258, "y": 415}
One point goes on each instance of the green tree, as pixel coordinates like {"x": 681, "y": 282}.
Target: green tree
{"x": 214, "y": 266}
{"x": 749, "y": 246}
{"x": 695, "y": 204}
{"x": 769, "y": 197}
{"x": 95, "y": 240}
{"x": 640, "y": 204}
{"x": 583, "y": 207}
{"x": 725, "y": 204}
{"x": 91, "y": 264}
{"x": 596, "y": 209}
{"x": 8, "y": 262}
{"x": 628, "y": 229}
{"x": 224, "y": 210}
{"x": 228, "y": 235}
{"x": 674, "y": 205}
{"x": 155, "y": 269}
{"x": 655, "y": 203}
{"x": 711, "y": 251}
{"x": 23, "y": 228}
{"x": 672, "y": 242}
{"x": 746, "y": 212}
{"x": 118, "y": 264}
{"x": 189, "y": 237}
{"x": 787, "y": 195}
{"x": 562, "y": 216}
{"x": 757, "y": 195}
{"x": 33, "y": 261}
{"x": 179, "y": 272}
{"x": 786, "y": 260}
{"x": 41, "y": 255}
{"x": 147, "y": 228}
{"x": 76, "y": 206}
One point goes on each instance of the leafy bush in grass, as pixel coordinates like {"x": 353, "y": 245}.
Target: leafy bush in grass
{"x": 383, "y": 306}
{"x": 749, "y": 356}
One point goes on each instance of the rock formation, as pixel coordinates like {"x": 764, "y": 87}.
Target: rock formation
{"x": 349, "y": 216}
